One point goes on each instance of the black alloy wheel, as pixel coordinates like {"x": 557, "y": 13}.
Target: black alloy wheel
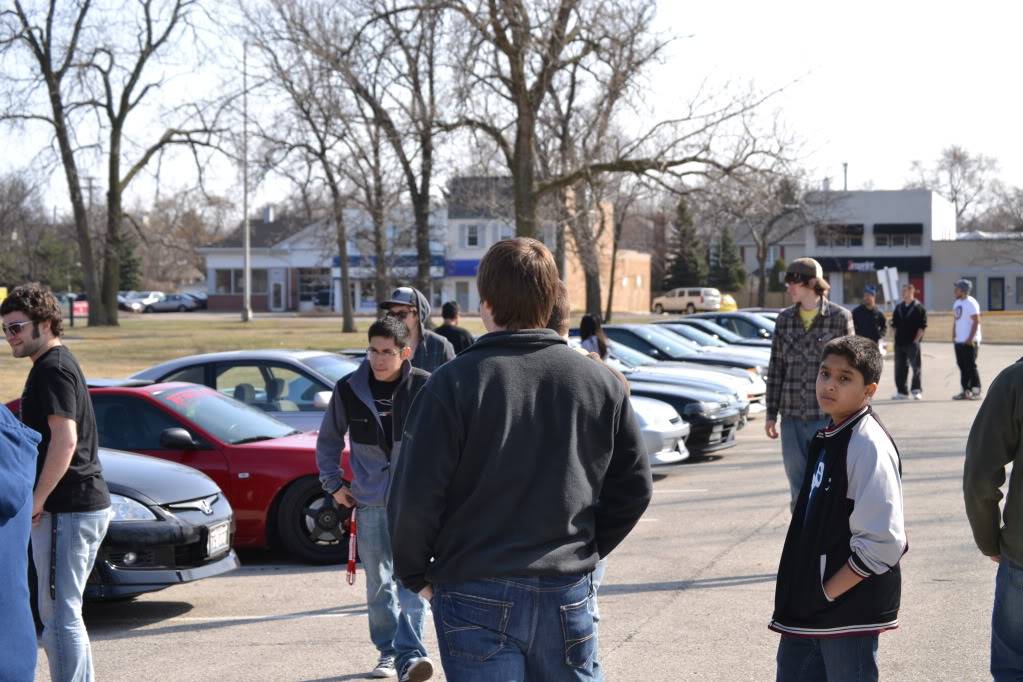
{"x": 309, "y": 524}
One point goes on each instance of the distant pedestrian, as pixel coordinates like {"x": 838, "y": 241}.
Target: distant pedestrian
{"x": 839, "y": 583}
{"x": 370, "y": 406}
{"x": 522, "y": 465}
{"x": 593, "y": 337}
{"x": 869, "y": 320}
{"x": 909, "y": 320}
{"x": 800, "y": 334}
{"x": 429, "y": 349}
{"x": 966, "y": 337}
{"x": 459, "y": 338}
{"x": 71, "y": 502}
{"x": 995, "y": 442}
{"x": 18, "y": 453}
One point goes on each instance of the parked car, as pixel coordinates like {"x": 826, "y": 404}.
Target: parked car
{"x": 126, "y": 302}
{"x": 713, "y": 418}
{"x": 687, "y": 300}
{"x": 664, "y": 433}
{"x": 748, "y": 325}
{"x": 293, "y": 386}
{"x": 728, "y": 304}
{"x": 720, "y": 333}
{"x": 663, "y": 345}
{"x": 266, "y": 469}
{"x": 146, "y": 299}
{"x": 171, "y": 524}
{"x": 180, "y": 303}
{"x": 769, "y": 313}
{"x": 200, "y": 297}
{"x": 760, "y": 355}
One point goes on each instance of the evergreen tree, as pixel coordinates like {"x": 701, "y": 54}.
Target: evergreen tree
{"x": 131, "y": 265}
{"x": 776, "y": 281}
{"x": 728, "y": 274}
{"x": 687, "y": 256}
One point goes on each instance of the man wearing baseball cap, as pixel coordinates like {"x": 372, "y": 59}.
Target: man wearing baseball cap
{"x": 868, "y": 319}
{"x": 429, "y": 350}
{"x": 800, "y": 334}
{"x": 966, "y": 337}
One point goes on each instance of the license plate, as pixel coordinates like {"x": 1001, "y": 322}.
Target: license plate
{"x": 219, "y": 539}
{"x": 715, "y": 433}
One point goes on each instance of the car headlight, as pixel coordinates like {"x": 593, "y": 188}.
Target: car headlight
{"x": 693, "y": 409}
{"x": 127, "y": 509}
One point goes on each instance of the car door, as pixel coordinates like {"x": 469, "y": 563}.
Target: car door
{"x": 281, "y": 391}
{"x": 132, "y": 423}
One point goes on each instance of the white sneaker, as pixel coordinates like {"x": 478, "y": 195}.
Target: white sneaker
{"x": 976, "y": 392}
{"x": 384, "y": 668}
{"x": 900, "y": 396}
{"x": 918, "y": 395}
{"x": 417, "y": 669}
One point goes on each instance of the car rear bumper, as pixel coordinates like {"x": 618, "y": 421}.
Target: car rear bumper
{"x": 117, "y": 583}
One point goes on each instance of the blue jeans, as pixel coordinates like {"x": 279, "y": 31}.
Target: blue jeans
{"x": 516, "y": 629}
{"x": 796, "y": 435}
{"x": 397, "y": 616}
{"x": 835, "y": 659}
{"x": 1007, "y": 623}
{"x": 598, "y": 578}
{"x": 71, "y": 539}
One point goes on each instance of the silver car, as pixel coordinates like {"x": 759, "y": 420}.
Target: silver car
{"x": 293, "y": 386}
{"x": 664, "y": 433}
{"x": 172, "y": 303}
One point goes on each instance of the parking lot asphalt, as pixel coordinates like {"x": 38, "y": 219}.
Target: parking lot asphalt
{"x": 687, "y": 596}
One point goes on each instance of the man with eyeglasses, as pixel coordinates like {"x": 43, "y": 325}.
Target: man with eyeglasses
{"x": 71, "y": 503}
{"x": 429, "y": 349}
{"x": 800, "y": 334}
{"x": 370, "y": 405}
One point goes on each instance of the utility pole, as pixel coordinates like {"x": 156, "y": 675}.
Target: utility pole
{"x": 246, "y": 239}
{"x": 845, "y": 176}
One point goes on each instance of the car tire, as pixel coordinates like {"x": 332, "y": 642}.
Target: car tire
{"x": 182, "y": 309}
{"x": 148, "y": 309}
{"x": 659, "y": 309}
{"x": 303, "y": 503}
{"x": 690, "y": 309}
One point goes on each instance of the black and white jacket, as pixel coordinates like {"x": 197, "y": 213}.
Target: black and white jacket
{"x": 849, "y": 512}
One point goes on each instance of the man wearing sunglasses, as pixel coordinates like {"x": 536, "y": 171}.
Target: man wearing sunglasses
{"x": 71, "y": 503}
{"x": 800, "y": 334}
{"x": 429, "y": 350}
{"x": 370, "y": 405}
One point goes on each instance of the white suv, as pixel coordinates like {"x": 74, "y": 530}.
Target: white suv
{"x": 688, "y": 300}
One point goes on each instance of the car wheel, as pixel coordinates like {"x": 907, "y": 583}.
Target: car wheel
{"x": 182, "y": 309}
{"x": 308, "y": 524}
{"x": 659, "y": 309}
{"x": 690, "y": 308}
{"x": 148, "y": 309}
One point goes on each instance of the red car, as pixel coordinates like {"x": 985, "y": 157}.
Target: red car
{"x": 266, "y": 468}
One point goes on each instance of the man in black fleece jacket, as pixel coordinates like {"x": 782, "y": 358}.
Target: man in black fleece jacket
{"x": 522, "y": 464}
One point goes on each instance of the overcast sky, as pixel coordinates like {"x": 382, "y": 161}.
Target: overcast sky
{"x": 880, "y": 84}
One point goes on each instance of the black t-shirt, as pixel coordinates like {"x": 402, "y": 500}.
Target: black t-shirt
{"x": 56, "y": 386}
{"x": 459, "y": 338}
{"x": 383, "y": 401}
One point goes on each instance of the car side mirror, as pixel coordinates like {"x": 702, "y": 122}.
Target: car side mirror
{"x": 321, "y": 400}
{"x": 655, "y": 353}
{"x": 764, "y": 334}
{"x": 176, "y": 438}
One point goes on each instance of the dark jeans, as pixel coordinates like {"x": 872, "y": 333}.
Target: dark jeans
{"x": 966, "y": 358}
{"x": 515, "y": 629}
{"x": 907, "y": 356}
{"x": 835, "y": 659}
{"x": 1007, "y": 623}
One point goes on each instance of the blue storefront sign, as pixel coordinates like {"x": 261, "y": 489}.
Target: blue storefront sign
{"x": 461, "y": 268}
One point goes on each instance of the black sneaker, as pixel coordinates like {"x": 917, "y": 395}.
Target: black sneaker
{"x": 418, "y": 669}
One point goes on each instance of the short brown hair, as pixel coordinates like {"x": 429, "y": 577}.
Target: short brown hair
{"x": 38, "y": 304}
{"x": 561, "y": 312}
{"x": 518, "y": 279}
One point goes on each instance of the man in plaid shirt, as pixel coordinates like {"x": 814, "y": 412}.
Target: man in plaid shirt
{"x": 800, "y": 334}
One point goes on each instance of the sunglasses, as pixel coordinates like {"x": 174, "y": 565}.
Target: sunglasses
{"x": 400, "y": 315}
{"x": 14, "y": 328}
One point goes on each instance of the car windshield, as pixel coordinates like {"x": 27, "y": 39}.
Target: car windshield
{"x": 695, "y": 335}
{"x": 630, "y": 357}
{"x": 225, "y": 418}
{"x": 726, "y": 335}
{"x": 334, "y": 367}
{"x": 754, "y": 318}
{"x": 671, "y": 344}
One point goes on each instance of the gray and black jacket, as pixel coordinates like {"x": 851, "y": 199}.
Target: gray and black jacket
{"x": 849, "y": 512}
{"x": 433, "y": 349}
{"x": 351, "y": 410}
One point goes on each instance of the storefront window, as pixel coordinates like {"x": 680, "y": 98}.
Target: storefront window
{"x": 233, "y": 281}
{"x": 839, "y": 236}
{"x": 223, "y": 282}
{"x": 853, "y": 284}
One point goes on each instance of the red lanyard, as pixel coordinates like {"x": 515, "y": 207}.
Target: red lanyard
{"x": 351, "y": 549}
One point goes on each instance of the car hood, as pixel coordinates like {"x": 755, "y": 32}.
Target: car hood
{"x": 299, "y": 442}
{"x": 713, "y": 381}
{"x": 655, "y": 390}
{"x": 652, "y": 411}
{"x": 157, "y": 480}
{"x": 750, "y": 352}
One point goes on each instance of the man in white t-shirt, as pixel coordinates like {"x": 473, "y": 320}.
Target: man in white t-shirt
{"x": 966, "y": 335}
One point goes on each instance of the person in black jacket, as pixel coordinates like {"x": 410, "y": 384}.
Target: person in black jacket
{"x": 839, "y": 583}
{"x": 521, "y": 466}
{"x": 909, "y": 322}
{"x": 868, "y": 319}
{"x": 459, "y": 338}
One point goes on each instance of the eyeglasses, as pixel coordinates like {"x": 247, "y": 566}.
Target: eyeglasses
{"x": 388, "y": 352}
{"x": 14, "y": 328}
{"x": 401, "y": 315}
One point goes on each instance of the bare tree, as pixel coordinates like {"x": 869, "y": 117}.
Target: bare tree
{"x": 69, "y": 62}
{"x": 960, "y": 176}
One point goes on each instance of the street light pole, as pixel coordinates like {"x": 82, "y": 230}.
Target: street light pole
{"x": 246, "y": 232}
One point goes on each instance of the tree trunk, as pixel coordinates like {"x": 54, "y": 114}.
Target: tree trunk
{"x": 616, "y": 237}
{"x": 380, "y": 283}
{"x": 421, "y": 210}
{"x": 592, "y": 279}
{"x": 106, "y": 314}
{"x": 524, "y": 174}
{"x": 347, "y": 316}
{"x": 762, "y": 279}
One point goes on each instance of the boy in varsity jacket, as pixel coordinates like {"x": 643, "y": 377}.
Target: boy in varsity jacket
{"x": 839, "y": 582}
